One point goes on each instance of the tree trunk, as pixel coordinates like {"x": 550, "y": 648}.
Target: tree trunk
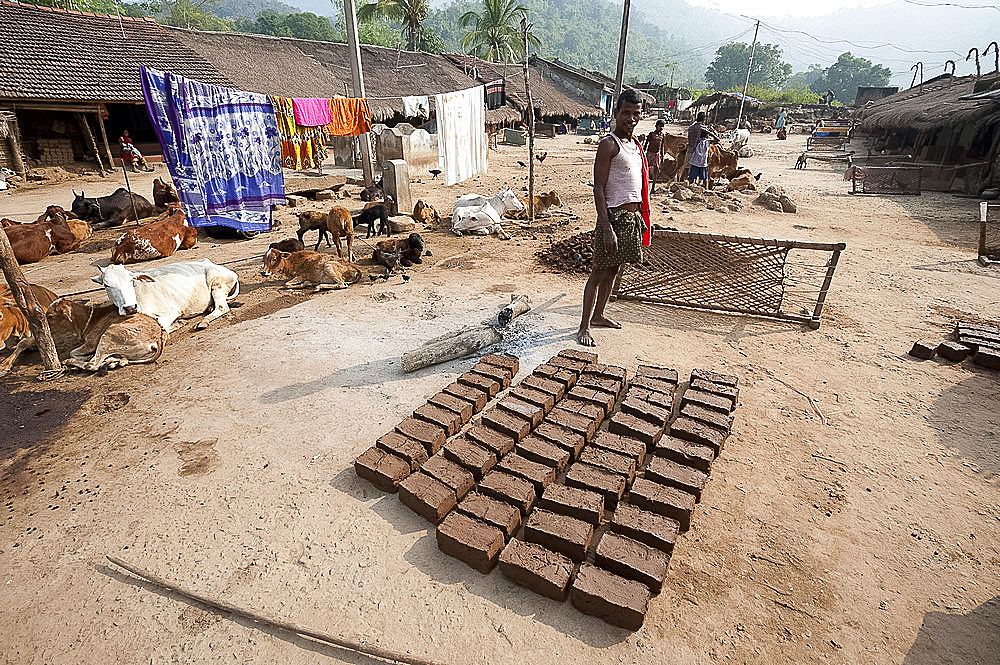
{"x": 25, "y": 299}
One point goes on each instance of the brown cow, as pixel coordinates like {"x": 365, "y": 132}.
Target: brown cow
{"x": 155, "y": 240}
{"x": 95, "y": 338}
{"x": 14, "y": 324}
{"x": 674, "y": 157}
{"x": 721, "y": 162}
{"x": 425, "y": 212}
{"x": 338, "y": 222}
{"x": 543, "y": 202}
{"x": 306, "y": 268}
{"x": 80, "y": 229}
{"x": 164, "y": 194}
{"x": 33, "y": 242}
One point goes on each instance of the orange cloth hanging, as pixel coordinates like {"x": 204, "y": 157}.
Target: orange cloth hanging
{"x": 351, "y": 116}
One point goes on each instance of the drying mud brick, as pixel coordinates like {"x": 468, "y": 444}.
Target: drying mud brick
{"x": 431, "y": 436}
{"x": 574, "y": 502}
{"x": 953, "y": 351}
{"x": 498, "y": 374}
{"x": 484, "y": 383}
{"x": 622, "y": 445}
{"x": 695, "y": 455}
{"x": 554, "y": 373}
{"x": 456, "y": 405}
{"x": 508, "y": 362}
{"x": 647, "y": 411}
{"x": 566, "y": 439}
{"x": 575, "y": 366}
{"x": 711, "y": 417}
{"x": 554, "y": 388}
{"x": 606, "y": 371}
{"x": 475, "y": 458}
{"x": 662, "y": 500}
{"x": 530, "y": 412}
{"x": 663, "y": 400}
{"x": 646, "y": 527}
{"x": 507, "y": 423}
{"x": 987, "y": 358}
{"x": 532, "y": 396}
{"x": 539, "y": 475}
{"x": 656, "y": 385}
{"x": 632, "y": 560}
{"x": 605, "y": 459}
{"x": 447, "y": 420}
{"x": 628, "y": 425}
{"x": 474, "y": 396}
{"x": 471, "y": 541}
{"x": 544, "y": 452}
{"x": 502, "y": 515}
{"x": 585, "y": 357}
{"x": 715, "y": 377}
{"x": 382, "y": 469}
{"x": 596, "y": 382}
{"x": 541, "y": 570}
{"x": 403, "y": 447}
{"x": 698, "y": 432}
{"x": 608, "y": 484}
{"x": 582, "y": 425}
{"x": 923, "y": 350}
{"x": 592, "y": 411}
{"x": 499, "y": 444}
{"x": 716, "y": 389}
{"x": 661, "y": 373}
{"x": 451, "y": 474}
{"x": 670, "y": 473}
{"x": 603, "y": 594}
{"x": 707, "y": 400}
{"x": 427, "y": 497}
{"x": 560, "y": 533}
{"x": 605, "y": 401}
{"x": 567, "y": 377}
{"x": 502, "y": 486}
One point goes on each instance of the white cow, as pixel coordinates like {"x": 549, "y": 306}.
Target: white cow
{"x": 176, "y": 291}
{"x": 479, "y": 215}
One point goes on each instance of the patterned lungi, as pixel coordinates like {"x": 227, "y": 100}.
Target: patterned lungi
{"x": 628, "y": 227}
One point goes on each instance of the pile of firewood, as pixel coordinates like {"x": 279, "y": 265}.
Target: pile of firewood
{"x": 573, "y": 254}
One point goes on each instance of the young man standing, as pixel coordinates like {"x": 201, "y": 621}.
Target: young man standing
{"x": 621, "y": 196}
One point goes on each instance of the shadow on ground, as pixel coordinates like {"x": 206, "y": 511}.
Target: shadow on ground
{"x": 966, "y": 420}
{"x": 959, "y": 639}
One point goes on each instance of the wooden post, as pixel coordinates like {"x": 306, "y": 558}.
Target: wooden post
{"x": 25, "y": 299}
{"x": 622, "y": 42}
{"x": 13, "y": 140}
{"x": 88, "y": 137}
{"x": 104, "y": 139}
{"x": 525, "y": 26}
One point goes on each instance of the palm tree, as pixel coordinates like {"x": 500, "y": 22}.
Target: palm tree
{"x": 496, "y": 31}
{"x": 411, "y": 13}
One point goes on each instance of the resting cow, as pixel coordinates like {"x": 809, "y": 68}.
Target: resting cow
{"x": 94, "y": 338}
{"x": 155, "y": 240}
{"x": 164, "y": 194}
{"x": 33, "y": 242}
{"x": 113, "y": 209}
{"x": 721, "y": 162}
{"x": 14, "y": 324}
{"x": 176, "y": 291}
{"x": 309, "y": 268}
{"x": 80, "y": 229}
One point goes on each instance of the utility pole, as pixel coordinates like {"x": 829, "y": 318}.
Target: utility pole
{"x": 746, "y": 85}
{"x": 525, "y": 27}
{"x": 620, "y": 72}
{"x": 358, "y": 83}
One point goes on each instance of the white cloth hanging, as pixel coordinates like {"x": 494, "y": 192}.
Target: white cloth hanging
{"x": 461, "y": 122}
{"x": 416, "y": 107}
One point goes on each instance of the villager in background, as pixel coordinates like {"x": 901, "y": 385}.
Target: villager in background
{"x": 654, "y": 149}
{"x": 130, "y": 154}
{"x": 699, "y": 160}
{"x": 694, "y": 135}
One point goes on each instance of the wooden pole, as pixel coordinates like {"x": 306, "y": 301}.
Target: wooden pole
{"x": 525, "y": 26}
{"x": 622, "y": 42}
{"x": 358, "y": 83}
{"x": 104, "y": 140}
{"x": 746, "y": 84}
{"x": 13, "y": 132}
{"x": 25, "y": 299}
{"x": 88, "y": 136}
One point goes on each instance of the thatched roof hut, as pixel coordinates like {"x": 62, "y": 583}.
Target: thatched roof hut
{"x": 935, "y": 104}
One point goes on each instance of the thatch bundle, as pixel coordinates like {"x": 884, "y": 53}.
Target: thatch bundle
{"x": 933, "y": 105}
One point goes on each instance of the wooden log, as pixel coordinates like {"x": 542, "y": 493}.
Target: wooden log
{"x": 104, "y": 140}
{"x": 15, "y": 145}
{"x": 25, "y": 299}
{"x": 90, "y": 141}
{"x": 518, "y": 306}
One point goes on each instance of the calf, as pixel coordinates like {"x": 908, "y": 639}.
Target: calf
{"x": 308, "y": 268}
{"x": 399, "y": 251}
{"x": 721, "y": 162}
{"x": 164, "y": 194}
{"x": 80, "y": 229}
{"x": 155, "y": 240}
{"x": 542, "y": 203}
{"x": 97, "y": 338}
{"x": 374, "y": 212}
{"x": 425, "y": 212}
{"x": 287, "y": 245}
{"x": 33, "y": 242}
{"x": 337, "y": 222}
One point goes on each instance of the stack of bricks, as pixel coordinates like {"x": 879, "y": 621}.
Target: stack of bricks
{"x": 52, "y": 152}
{"x": 978, "y": 341}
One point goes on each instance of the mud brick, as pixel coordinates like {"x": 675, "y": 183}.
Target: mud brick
{"x": 498, "y": 374}
{"x": 581, "y": 424}
{"x": 977, "y": 340}
{"x": 662, "y": 500}
{"x": 544, "y": 452}
{"x": 646, "y": 527}
{"x": 501, "y": 486}
{"x": 924, "y": 350}
{"x": 447, "y": 420}
{"x": 575, "y": 366}
{"x": 541, "y": 570}
{"x": 505, "y": 360}
{"x": 484, "y": 383}
{"x": 502, "y": 515}
{"x": 576, "y": 354}
{"x": 608, "y": 484}
{"x": 546, "y": 370}
{"x": 382, "y": 469}
{"x": 699, "y": 432}
{"x": 427, "y": 496}
{"x": 507, "y": 423}
{"x": 620, "y": 464}
{"x": 566, "y": 377}
{"x": 456, "y": 405}
{"x": 664, "y": 401}
{"x": 431, "y": 436}
{"x": 622, "y": 445}
{"x": 722, "y": 421}
{"x": 539, "y": 475}
{"x": 975, "y": 328}
{"x": 538, "y": 382}
{"x": 695, "y": 455}
{"x": 715, "y": 377}
{"x": 603, "y": 594}
{"x": 988, "y": 358}
{"x": 716, "y": 389}
{"x": 475, "y": 458}
{"x": 471, "y": 541}
{"x": 632, "y": 560}
{"x": 533, "y": 396}
{"x": 670, "y": 473}
{"x": 661, "y": 373}
{"x": 574, "y": 502}
{"x": 499, "y": 444}
{"x": 606, "y": 371}
{"x": 707, "y": 400}
{"x": 531, "y": 412}
{"x": 403, "y": 447}
{"x": 647, "y": 411}
{"x": 953, "y": 351}
{"x": 565, "y": 438}
{"x": 604, "y": 383}
{"x": 628, "y": 425}
{"x": 588, "y": 409}
{"x": 599, "y": 398}
{"x": 450, "y": 473}
{"x": 560, "y": 533}
{"x": 656, "y": 385}
{"x": 474, "y": 396}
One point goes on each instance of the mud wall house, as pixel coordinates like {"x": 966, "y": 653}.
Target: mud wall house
{"x": 593, "y": 89}
{"x": 949, "y": 126}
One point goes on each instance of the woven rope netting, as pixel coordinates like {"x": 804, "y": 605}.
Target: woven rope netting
{"x": 887, "y": 180}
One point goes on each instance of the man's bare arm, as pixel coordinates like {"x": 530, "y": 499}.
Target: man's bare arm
{"x": 606, "y": 151}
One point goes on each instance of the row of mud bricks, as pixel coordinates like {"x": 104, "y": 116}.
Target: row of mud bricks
{"x": 978, "y": 341}
{"x": 576, "y": 482}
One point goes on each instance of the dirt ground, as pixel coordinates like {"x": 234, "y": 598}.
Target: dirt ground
{"x": 867, "y": 534}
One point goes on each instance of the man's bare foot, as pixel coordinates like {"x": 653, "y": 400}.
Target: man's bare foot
{"x": 584, "y": 337}
{"x": 604, "y": 322}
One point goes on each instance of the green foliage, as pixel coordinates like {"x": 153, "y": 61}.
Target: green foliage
{"x": 496, "y": 31}
{"x": 849, "y": 72}
{"x": 303, "y": 25}
{"x": 250, "y": 9}
{"x": 729, "y": 68}
{"x": 410, "y": 14}
{"x": 95, "y": 6}
{"x": 804, "y": 79}
{"x": 801, "y": 95}
{"x": 189, "y": 14}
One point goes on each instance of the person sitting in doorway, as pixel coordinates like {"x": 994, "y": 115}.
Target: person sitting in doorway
{"x": 130, "y": 154}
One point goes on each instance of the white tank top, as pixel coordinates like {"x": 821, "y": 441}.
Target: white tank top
{"x": 625, "y": 177}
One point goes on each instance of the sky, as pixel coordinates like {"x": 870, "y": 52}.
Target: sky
{"x": 780, "y": 8}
